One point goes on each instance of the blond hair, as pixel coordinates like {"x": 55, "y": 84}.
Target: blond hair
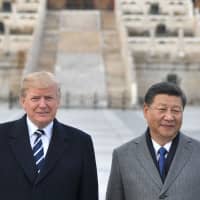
{"x": 41, "y": 79}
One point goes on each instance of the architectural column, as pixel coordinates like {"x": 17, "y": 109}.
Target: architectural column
{"x": 7, "y": 39}
{"x": 14, "y": 22}
{"x": 152, "y": 42}
{"x": 180, "y": 44}
{"x": 197, "y": 22}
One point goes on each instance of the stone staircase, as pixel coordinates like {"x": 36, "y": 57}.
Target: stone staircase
{"x": 49, "y": 42}
{"x": 59, "y": 46}
{"x": 118, "y": 97}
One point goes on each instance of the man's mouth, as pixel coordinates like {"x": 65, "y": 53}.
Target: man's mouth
{"x": 168, "y": 125}
{"x": 42, "y": 113}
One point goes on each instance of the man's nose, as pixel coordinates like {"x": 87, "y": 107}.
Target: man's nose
{"x": 42, "y": 102}
{"x": 169, "y": 115}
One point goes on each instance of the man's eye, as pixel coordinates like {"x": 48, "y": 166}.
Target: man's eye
{"x": 176, "y": 110}
{"x": 162, "y": 109}
{"x": 35, "y": 98}
{"x": 48, "y": 98}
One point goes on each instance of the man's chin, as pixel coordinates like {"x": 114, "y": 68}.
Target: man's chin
{"x": 42, "y": 114}
{"x": 42, "y": 121}
{"x": 169, "y": 134}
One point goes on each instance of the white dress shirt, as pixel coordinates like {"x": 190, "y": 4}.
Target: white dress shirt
{"x": 157, "y": 147}
{"x": 46, "y": 138}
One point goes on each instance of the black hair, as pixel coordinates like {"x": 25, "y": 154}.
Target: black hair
{"x": 168, "y": 88}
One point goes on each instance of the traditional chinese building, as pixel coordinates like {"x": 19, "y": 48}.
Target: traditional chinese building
{"x": 161, "y": 40}
{"x": 113, "y": 49}
{"x": 81, "y": 4}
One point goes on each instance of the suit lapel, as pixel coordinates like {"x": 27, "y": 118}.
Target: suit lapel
{"x": 183, "y": 153}
{"x": 58, "y": 144}
{"x": 144, "y": 157}
{"x": 21, "y": 148}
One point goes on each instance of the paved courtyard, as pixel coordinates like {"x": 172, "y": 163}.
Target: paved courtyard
{"x": 109, "y": 129}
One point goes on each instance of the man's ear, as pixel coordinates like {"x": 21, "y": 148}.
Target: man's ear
{"x": 145, "y": 110}
{"x": 21, "y": 101}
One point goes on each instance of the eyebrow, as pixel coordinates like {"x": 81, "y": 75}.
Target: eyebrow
{"x": 163, "y": 104}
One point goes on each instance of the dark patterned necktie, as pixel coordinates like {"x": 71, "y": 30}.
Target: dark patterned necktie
{"x": 38, "y": 151}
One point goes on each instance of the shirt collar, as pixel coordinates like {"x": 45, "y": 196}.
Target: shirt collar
{"x": 156, "y": 146}
{"x": 32, "y": 128}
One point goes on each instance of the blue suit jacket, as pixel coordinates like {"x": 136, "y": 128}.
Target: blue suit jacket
{"x": 69, "y": 172}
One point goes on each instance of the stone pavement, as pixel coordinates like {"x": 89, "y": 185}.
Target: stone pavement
{"x": 109, "y": 129}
